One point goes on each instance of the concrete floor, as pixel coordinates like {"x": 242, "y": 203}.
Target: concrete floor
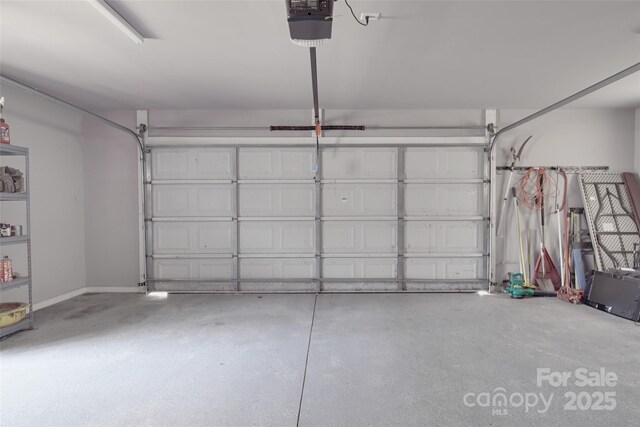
{"x": 379, "y": 360}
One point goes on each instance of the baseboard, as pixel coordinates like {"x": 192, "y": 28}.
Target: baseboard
{"x": 88, "y": 290}
{"x": 59, "y": 298}
{"x": 115, "y": 289}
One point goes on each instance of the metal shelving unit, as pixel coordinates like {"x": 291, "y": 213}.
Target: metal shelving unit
{"x": 21, "y": 282}
{"x": 13, "y": 240}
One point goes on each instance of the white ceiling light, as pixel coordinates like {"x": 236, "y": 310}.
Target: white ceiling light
{"x": 116, "y": 19}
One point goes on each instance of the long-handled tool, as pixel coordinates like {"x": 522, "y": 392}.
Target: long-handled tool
{"x": 572, "y": 294}
{"x": 515, "y": 157}
{"x": 560, "y": 246}
{"x": 523, "y": 266}
{"x": 546, "y": 280}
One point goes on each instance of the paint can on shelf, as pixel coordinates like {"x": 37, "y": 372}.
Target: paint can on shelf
{"x": 16, "y": 230}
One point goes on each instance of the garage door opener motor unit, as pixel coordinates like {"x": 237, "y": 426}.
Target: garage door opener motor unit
{"x": 310, "y": 21}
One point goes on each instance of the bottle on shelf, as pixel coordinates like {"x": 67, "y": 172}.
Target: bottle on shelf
{"x": 7, "y": 270}
{"x": 4, "y": 126}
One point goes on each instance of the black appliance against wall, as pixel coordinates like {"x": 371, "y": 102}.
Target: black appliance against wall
{"x": 617, "y": 292}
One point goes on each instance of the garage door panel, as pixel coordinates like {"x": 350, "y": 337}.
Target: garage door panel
{"x": 338, "y": 268}
{"x": 192, "y": 237}
{"x": 463, "y": 269}
{"x": 359, "y": 199}
{"x": 461, "y": 199}
{"x": 214, "y": 237}
{"x": 442, "y": 286}
{"x": 172, "y": 270}
{"x": 277, "y": 268}
{"x": 160, "y": 286}
{"x": 443, "y": 199}
{"x": 171, "y": 201}
{"x": 198, "y": 269}
{"x": 171, "y": 164}
{"x": 257, "y": 199}
{"x": 213, "y": 164}
{"x": 359, "y": 268}
{"x": 461, "y": 237}
{"x": 192, "y": 163}
{"x": 420, "y": 236}
{"x": 277, "y": 200}
{"x": 463, "y": 163}
{"x": 283, "y": 163}
{"x": 444, "y": 268}
{"x": 192, "y": 200}
{"x": 359, "y": 163}
{"x": 455, "y": 237}
{"x": 364, "y": 286}
{"x": 271, "y": 287}
{"x": 444, "y": 162}
{"x": 277, "y": 237}
{"x": 215, "y": 200}
{"x": 256, "y": 163}
{"x": 258, "y": 268}
{"x": 359, "y": 236}
{"x": 379, "y": 236}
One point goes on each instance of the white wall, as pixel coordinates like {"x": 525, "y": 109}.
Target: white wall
{"x": 110, "y": 157}
{"x": 53, "y": 135}
{"x": 583, "y": 137}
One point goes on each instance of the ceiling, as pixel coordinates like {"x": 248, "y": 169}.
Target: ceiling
{"x": 237, "y": 54}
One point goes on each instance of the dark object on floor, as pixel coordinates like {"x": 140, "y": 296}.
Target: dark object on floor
{"x": 616, "y": 292}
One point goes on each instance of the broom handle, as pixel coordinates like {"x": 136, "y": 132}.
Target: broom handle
{"x": 542, "y": 245}
{"x": 504, "y": 200}
{"x": 517, "y": 212}
{"x": 542, "y": 205}
{"x": 560, "y": 247}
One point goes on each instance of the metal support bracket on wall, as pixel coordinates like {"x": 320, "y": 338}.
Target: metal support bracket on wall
{"x": 489, "y": 183}
{"x": 318, "y": 207}
{"x": 235, "y": 238}
{"x": 145, "y": 210}
{"x": 400, "y": 210}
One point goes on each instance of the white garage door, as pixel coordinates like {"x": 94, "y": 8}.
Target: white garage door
{"x": 256, "y": 219}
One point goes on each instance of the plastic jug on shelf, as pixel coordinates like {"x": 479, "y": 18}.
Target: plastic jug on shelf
{"x": 7, "y": 270}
